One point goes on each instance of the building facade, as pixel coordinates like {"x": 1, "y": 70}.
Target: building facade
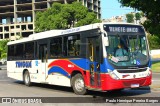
{"x": 17, "y": 17}
{"x": 123, "y": 18}
{"x": 115, "y": 19}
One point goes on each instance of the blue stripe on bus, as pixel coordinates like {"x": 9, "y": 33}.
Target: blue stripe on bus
{"x": 82, "y": 63}
{"x": 59, "y": 70}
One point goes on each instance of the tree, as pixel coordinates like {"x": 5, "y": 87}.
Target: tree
{"x": 151, "y": 10}
{"x": 130, "y": 18}
{"x": 65, "y": 1}
{"x": 64, "y": 16}
{"x": 137, "y": 16}
{"x": 3, "y": 48}
{"x": 153, "y": 42}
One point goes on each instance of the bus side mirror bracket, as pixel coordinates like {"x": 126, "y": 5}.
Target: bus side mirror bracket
{"x": 106, "y": 42}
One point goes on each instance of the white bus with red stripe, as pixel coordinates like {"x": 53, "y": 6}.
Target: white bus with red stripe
{"x": 84, "y": 58}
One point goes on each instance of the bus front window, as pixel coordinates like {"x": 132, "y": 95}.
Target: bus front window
{"x": 127, "y": 50}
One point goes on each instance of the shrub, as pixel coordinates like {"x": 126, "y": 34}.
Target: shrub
{"x": 154, "y": 42}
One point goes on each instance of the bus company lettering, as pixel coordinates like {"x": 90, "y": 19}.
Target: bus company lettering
{"x": 70, "y": 30}
{"x": 24, "y": 64}
{"x": 123, "y": 29}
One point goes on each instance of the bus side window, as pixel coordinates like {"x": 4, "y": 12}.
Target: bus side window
{"x": 72, "y": 45}
{"x": 11, "y": 52}
{"x": 56, "y": 47}
{"x": 35, "y": 50}
{"x": 19, "y": 55}
{"x": 29, "y": 50}
{"x": 65, "y": 46}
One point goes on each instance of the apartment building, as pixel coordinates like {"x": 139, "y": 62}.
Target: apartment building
{"x": 17, "y": 17}
{"x": 115, "y": 19}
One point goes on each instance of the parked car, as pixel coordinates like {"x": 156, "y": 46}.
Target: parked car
{"x": 3, "y": 61}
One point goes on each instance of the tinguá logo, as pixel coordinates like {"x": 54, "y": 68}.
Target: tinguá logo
{"x": 24, "y": 64}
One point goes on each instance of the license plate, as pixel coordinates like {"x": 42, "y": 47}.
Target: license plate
{"x": 134, "y": 85}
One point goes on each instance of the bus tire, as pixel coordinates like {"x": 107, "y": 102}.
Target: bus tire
{"x": 26, "y": 79}
{"x": 78, "y": 84}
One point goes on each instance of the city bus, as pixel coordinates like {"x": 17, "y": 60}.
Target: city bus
{"x": 84, "y": 58}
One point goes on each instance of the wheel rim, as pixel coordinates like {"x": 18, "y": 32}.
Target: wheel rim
{"x": 27, "y": 78}
{"x": 79, "y": 84}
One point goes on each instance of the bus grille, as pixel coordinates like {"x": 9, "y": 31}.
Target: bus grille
{"x": 131, "y": 70}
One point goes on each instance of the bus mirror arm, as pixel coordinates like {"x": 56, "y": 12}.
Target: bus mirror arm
{"x": 106, "y": 42}
{"x": 101, "y": 53}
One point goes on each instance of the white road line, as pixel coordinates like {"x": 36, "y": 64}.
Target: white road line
{"x": 155, "y": 80}
{"x": 4, "y": 80}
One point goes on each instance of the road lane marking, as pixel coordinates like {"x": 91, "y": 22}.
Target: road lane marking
{"x": 4, "y": 80}
{"x": 155, "y": 80}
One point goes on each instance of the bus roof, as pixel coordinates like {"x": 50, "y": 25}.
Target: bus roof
{"x": 53, "y": 33}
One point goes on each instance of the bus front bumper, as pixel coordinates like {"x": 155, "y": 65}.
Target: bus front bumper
{"x": 108, "y": 83}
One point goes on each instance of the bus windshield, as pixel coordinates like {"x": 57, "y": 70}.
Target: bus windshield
{"x": 127, "y": 50}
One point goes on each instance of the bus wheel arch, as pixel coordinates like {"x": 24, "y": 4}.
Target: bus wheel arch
{"x": 26, "y": 77}
{"x": 78, "y": 83}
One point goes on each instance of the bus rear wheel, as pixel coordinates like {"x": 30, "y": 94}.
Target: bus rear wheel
{"x": 26, "y": 79}
{"x": 78, "y": 84}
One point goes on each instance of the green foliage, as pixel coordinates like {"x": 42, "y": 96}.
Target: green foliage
{"x": 89, "y": 19}
{"x": 130, "y": 18}
{"x": 64, "y": 16}
{"x": 153, "y": 28}
{"x": 138, "y": 16}
{"x": 3, "y": 48}
{"x": 151, "y": 10}
{"x": 154, "y": 42}
{"x": 156, "y": 66}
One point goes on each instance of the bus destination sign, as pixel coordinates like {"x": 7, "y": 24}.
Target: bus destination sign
{"x": 124, "y": 28}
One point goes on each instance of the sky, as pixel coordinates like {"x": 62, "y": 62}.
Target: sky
{"x": 110, "y": 8}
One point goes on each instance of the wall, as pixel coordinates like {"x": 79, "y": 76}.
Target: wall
{"x": 155, "y": 54}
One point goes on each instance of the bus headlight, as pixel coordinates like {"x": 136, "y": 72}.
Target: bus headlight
{"x": 113, "y": 75}
{"x": 149, "y": 73}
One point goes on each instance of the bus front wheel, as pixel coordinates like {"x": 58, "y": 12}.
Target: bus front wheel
{"x": 26, "y": 79}
{"x": 78, "y": 84}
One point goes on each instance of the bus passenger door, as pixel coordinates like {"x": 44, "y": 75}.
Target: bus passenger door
{"x": 43, "y": 56}
{"x": 94, "y": 65}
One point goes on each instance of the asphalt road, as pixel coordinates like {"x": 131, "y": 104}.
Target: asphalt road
{"x": 12, "y": 88}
